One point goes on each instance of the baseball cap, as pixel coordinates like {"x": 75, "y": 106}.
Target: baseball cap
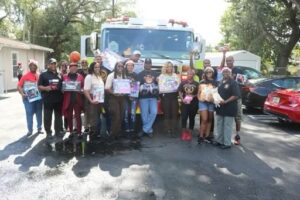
{"x": 52, "y": 60}
{"x": 148, "y": 61}
{"x": 137, "y": 52}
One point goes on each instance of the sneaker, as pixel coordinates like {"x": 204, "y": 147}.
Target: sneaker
{"x": 237, "y": 140}
{"x": 225, "y": 146}
{"x": 29, "y": 134}
{"x": 215, "y": 143}
{"x": 200, "y": 140}
{"x": 150, "y": 135}
{"x": 206, "y": 140}
{"x": 127, "y": 131}
{"x": 40, "y": 131}
{"x": 49, "y": 137}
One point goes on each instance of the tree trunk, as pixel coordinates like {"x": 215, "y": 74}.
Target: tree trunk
{"x": 282, "y": 62}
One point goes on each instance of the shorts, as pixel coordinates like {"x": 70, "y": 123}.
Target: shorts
{"x": 206, "y": 106}
{"x": 239, "y": 110}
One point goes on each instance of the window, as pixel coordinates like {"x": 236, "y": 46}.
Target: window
{"x": 14, "y": 57}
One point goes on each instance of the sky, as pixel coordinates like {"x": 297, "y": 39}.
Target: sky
{"x": 202, "y": 15}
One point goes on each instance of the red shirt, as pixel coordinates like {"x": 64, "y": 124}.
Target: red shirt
{"x": 29, "y": 76}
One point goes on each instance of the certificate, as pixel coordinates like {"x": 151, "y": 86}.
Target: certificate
{"x": 98, "y": 94}
{"x": 121, "y": 86}
{"x": 134, "y": 89}
{"x": 168, "y": 84}
{"x": 71, "y": 86}
{"x": 31, "y": 91}
{"x": 138, "y": 67}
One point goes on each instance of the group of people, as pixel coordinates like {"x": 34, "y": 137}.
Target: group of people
{"x": 115, "y": 96}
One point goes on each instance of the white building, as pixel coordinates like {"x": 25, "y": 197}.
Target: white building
{"x": 241, "y": 58}
{"x": 13, "y": 52}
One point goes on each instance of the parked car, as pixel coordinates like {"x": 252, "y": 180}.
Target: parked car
{"x": 255, "y": 91}
{"x": 284, "y": 104}
{"x": 248, "y": 71}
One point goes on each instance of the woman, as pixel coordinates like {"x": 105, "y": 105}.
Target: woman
{"x": 72, "y": 102}
{"x": 228, "y": 90}
{"x": 168, "y": 83}
{"x": 130, "y": 101}
{"x": 189, "y": 103}
{"x": 206, "y": 105}
{"x": 116, "y": 98}
{"x": 94, "y": 93}
{"x": 27, "y": 87}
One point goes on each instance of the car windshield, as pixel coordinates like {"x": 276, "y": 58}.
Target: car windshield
{"x": 252, "y": 73}
{"x": 170, "y": 44}
{"x": 287, "y": 83}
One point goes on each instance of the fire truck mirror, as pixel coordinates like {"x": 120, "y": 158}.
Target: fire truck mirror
{"x": 94, "y": 41}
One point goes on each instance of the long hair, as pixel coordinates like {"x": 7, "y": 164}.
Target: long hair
{"x": 208, "y": 69}
{"x": 92, "y": 67}
{"x": 115, "y": 70}
{"x": 163, "y": 69}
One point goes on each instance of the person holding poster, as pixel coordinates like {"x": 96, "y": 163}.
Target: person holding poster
{"x": 31, "y": 97}
{"x": 50, "y": 84}
{"x": 148, "y": 97}
{"x": 168, "y": 83}
{"x": 117, "y": 86}
{"x": 206, "y": 105}
{"x": 131, "y": 99}
{"x": 94, "y": 93}
{"x": 72, "y": 102}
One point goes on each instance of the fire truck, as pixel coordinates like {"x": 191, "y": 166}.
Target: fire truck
{"x": 160, "y": 40}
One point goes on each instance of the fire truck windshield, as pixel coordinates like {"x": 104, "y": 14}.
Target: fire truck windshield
{"x": 154, "y": 43}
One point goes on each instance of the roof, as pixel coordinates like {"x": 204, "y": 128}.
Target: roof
{"x": 231, "y": 53}
{"x": 7, "y": 42}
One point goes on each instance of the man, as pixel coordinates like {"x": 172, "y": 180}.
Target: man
{"x": 238, "y": 119}
{"x": 83, "y": 71}
{"x": 148, "y": 97}
{"x": 27, "y": 87}
{"x": 50, "y": 84}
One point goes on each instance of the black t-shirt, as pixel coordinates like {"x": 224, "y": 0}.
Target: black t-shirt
{"x": 188, "y": 88}
{"x": 148, "y": 84}
{"x": 49, "y": 78}
{"x": 226, "y": 90}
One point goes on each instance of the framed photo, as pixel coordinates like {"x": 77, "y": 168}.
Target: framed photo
{"x": 98, "y": 94}
{"x": 31, "y": 91}
{"x": 121, "y": 86}
{"x": 134, "y": 89}
{"x": 71, "y": 86}
{"x": 168, "y": 84}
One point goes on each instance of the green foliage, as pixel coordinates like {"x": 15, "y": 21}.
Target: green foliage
{"x": 269, "y": 28}
{"x": 58, "y": 24}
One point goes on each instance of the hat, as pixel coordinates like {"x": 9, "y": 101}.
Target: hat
{"x": 226, "y": 68}
{"x": 148, "y": 61}
{"x": 52, "y": 60}
{"x": 129, "y": 62}
{"x": 208, "y": 69}
{"x": 32, "y": 61}
{"x": 137, "y": 52}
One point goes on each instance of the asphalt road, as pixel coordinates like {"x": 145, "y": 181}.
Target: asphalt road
{"x": 265, "y": 167}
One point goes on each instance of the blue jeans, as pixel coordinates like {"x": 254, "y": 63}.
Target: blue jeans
{"x": 148, "y": 112}
{"x": 31, "y": 109}
{"x": 130, "y": 112}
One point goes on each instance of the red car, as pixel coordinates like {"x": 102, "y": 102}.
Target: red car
{"x": 285, "y": 104}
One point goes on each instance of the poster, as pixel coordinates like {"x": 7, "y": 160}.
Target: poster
{"x": 168, "y": 84}
{"x": 31, "y": 91}
{"x": 98, "y": 94}
{"x": 121, "y": 86}
{"x": 138, "y": 67}
{"x": 241, "y": 79}
{"x": 109, "y": 59}
{"x": 134, "y": 89}
{"x": 71, "y": 86}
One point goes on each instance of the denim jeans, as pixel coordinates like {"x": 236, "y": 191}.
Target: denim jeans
{"x": 130, "y": 112}
{"x": 148, "y": 112}
{"x": 224, "y": 128}
{"x": 31, "y": 109}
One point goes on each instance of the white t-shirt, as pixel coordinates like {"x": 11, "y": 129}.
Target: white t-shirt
{"x": 92, "y": 81}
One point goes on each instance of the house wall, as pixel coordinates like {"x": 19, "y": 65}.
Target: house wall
{"x": 6, "y": 65}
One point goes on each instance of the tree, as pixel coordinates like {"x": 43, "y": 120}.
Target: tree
{"x": 270, "y": 28}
